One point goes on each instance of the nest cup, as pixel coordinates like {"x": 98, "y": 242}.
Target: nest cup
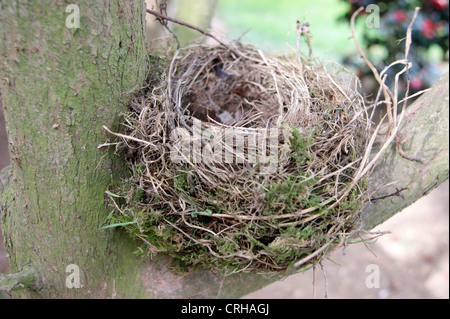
{"x": 243, "y": 161}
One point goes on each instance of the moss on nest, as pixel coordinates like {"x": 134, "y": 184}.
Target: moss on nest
{"x": 204, "y": 192}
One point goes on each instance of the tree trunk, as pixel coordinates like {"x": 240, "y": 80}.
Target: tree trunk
{"x": 59, "y": 86}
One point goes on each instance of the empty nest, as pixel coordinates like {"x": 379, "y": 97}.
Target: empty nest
{"x": 240, "y": 163}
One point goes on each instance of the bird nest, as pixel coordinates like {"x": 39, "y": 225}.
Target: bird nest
{"x": 243, "y": 161}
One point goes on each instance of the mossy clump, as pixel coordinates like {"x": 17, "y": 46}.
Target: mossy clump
{"x": 241, "y": 161}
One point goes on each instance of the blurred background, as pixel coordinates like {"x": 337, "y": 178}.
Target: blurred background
{"x": 413, "y": 260}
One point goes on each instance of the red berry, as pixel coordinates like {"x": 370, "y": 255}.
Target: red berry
{"x": 428, "y": 28}
{"x": 399, "y": 15}
{"x": 440, "y": 4}
{"x": 416, "y": 83}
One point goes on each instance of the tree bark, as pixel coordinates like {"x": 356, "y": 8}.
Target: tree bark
{"x": 400, "y": 181}
{"x": 59, "y": 86}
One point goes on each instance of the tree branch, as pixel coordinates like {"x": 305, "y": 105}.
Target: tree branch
{"x": 424, "y": 133}
{"x": 193, "y": 27}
